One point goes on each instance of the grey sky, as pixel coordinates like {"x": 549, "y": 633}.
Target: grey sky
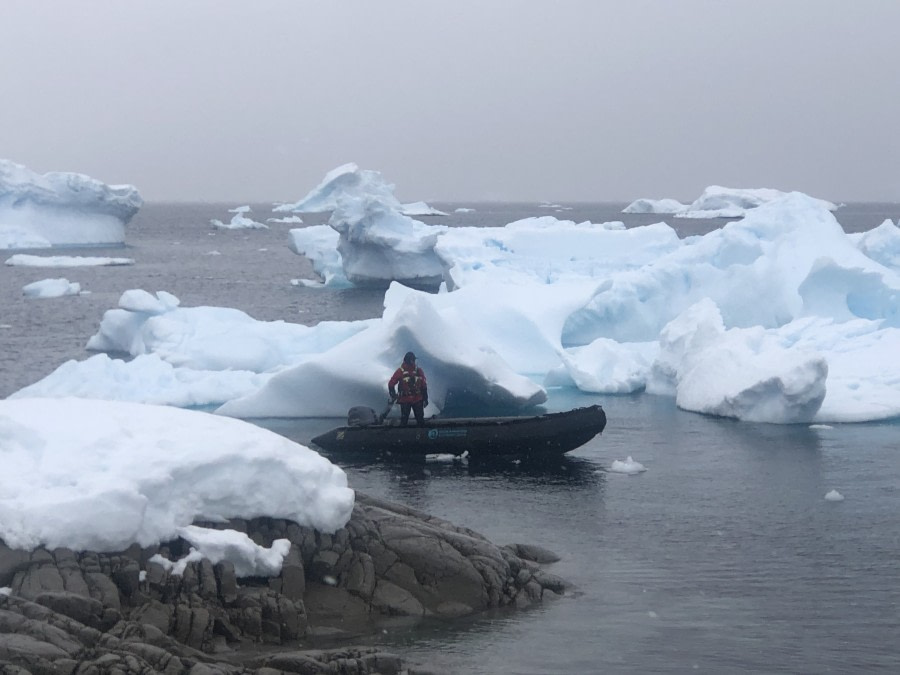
{"x": 457, "y": 100}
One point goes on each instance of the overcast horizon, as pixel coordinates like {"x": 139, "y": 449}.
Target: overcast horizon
{"x": 583, "y": 100}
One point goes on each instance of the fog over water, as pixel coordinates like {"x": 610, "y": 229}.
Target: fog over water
{"x": 589, "y": 100}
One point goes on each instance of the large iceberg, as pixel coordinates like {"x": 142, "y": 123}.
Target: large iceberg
{"x": 349, "y": 179}
{"x": 378, "y": 245}
{"x": 345, "y": 179}
{"x": 459, "y": 362}
{"x": 61, "y": 209}
{"x": 753, "y": 269}
{"x": 377, "y": 242}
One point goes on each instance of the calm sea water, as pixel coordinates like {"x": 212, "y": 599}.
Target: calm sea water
{"x": 722, "y": 557}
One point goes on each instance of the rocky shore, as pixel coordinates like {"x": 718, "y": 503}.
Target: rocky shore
{"x": 91, "y": 613}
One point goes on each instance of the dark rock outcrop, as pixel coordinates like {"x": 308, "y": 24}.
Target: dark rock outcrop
{"x": 90, "y": 612}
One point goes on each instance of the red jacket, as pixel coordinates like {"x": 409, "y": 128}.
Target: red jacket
{"x": 413, "y": 387}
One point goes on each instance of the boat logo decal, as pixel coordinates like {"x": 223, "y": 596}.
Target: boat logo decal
{"x": 340, "y": 435}
{"x": 447, "y": 433}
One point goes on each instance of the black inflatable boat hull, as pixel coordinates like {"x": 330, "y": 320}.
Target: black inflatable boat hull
{"x": 549, "y": 435}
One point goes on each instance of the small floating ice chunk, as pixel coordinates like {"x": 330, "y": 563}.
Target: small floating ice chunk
{"x": 23, "y": 260}
{"x": 820, "y": 426}
{"x": 447, "y": 457}
{"x": 239, "y": 221}
{"x": 308, "y": 283}
{"x": 628, "y": 466}
{"x": 834, "y": 496}
{"x": 51, "y": 288}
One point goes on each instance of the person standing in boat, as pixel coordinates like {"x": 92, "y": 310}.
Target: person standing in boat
{"x": 409, "y": 379}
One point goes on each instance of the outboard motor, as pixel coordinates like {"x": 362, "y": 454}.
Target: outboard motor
{"x": 361, "y": 416}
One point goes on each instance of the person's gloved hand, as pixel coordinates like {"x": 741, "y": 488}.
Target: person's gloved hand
{"x": 393, "y": 397}
{"x": 425, "y": 402}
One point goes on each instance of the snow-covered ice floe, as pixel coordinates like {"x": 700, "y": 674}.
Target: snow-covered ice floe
{"x": 61, "y": 209}
{"x": 25, "y": 260}
{"x": 51, "y": 288}
{"x": 106, "y": 475}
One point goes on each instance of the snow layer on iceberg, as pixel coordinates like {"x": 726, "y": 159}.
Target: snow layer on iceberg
{"x": 106, "y": 475}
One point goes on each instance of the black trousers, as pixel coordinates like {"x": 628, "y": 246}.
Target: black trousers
{"x": 418, "y": 410}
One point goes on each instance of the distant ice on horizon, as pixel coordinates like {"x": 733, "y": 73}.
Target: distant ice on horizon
{"x": 420, "y": 209}
{"x": 239, "y": 221}
{"x": 61, "y": 209}
{"x": 661, "y": 206}
{"x": 715, "y": 202}
{"x": 349, "y": 179}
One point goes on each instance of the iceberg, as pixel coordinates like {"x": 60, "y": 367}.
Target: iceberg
{"x": 655, "y": 206}
{"x": 61, "y": 209}
{"x": 239, "y": 221}
{"x": 346, "y": 180}
{"x": 377, "y": 243}
{"x": 358, "y": 369}
{"x": 211, "y": 338}
{"x": 745, "y": 373}
{"x": 349, "y": 180}
{"x": 881, "y": 244}
{"x": 722, "y": 202}
{"x": 286, "y": 219}
{"x": 420, "y": 209}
